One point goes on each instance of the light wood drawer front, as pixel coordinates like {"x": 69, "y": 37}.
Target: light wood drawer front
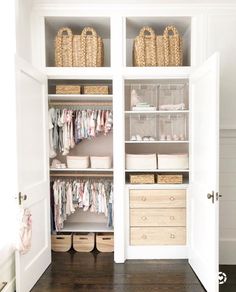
{"x": 157, "y": 217}
{"x": 157, "y": 198}
{"x": 157, "y": 235}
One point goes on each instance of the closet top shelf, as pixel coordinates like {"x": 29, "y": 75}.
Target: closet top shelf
{"x": 79, "y": 97}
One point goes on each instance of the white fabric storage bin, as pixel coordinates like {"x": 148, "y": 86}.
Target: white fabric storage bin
{"x": 77, "y": 161}
{"x": 141, "y": 161}
{"x": 100, "y": 162}
{"x": 172, "y": 161}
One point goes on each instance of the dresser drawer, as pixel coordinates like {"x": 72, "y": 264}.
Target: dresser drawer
{"x": 157, "y": 235}
{"x": 157, "y": 198}
{"x": 158, "y": 217}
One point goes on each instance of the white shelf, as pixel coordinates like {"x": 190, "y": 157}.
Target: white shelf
{"x": 86, "y": 227}
{"x": 156, "y": 142}
{"x": 82, "y": 169}
{"x": 157, "y": 72}
{"x": 79, "y": 73}
{"x": 157, "y": 170}
{"x": 79, "y": 97}
{"x": 158, "y": 112}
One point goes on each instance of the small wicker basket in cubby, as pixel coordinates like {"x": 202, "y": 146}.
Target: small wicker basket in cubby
{"x": 169, "y": 178}
{"x": 142, "y": 178}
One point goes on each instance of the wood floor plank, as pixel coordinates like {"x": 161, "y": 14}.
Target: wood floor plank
{"x": 72, "y": 271}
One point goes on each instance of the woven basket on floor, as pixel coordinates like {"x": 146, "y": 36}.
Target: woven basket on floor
{"x": 88, "y": 49}
{"x": 173, "y": 47}
{"x": 63, "y": 47}
{"x": 144, "y": 50}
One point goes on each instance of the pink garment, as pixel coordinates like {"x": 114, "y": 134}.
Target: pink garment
{"x": 25, "y": 232}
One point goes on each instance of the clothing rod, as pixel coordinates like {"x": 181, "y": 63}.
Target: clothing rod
{"x": 81, "y": 103}
{"x": 81, "y": 175}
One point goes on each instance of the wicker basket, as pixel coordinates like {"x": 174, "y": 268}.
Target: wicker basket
{"x": 142, "y": 178}
{"x": 88, "y": 49}
{"x": 68, "y": 89}
{"x": 84, "y": 242}
{"x": 144, "y": 50}
{"x": 63, "y": 47}
{"x": 95, "y": 89}
{"x": 105, "y": 242}
{"x": 173, "y": 47}
{"x": 61, "y": 243}
{"x": 169, "y": 178}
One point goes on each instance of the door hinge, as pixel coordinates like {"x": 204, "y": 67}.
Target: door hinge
{"x": 218, "y": 196}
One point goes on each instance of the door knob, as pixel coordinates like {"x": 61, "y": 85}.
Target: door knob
{"x": 211, "y": 196}
{"x": 21, "y": 198}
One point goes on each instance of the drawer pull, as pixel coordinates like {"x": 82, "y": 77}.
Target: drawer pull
{"x": 172, "y": 198}
{"x": 144, "y": 236}
{"x": 172, "y": 217}
{"x": 172, "y": 235}
{"x": 143, "y": 198}
{"x": 144, "y": 218}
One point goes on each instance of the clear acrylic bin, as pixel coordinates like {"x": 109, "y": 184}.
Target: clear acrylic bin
{"x": 173, "y": 127}
{"x": 173, "y": 96}
{"x": 141, "y": 127}
{"x": 143, "y": 97}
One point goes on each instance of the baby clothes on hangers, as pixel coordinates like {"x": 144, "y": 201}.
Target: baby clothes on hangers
{"x": 88, "y": 195}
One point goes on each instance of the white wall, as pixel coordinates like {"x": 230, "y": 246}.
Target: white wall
{"x": 23, "y": 29}
{"x": 220, "y": 37}
{"x": 228, "y": 200}
{"x": 220, "y": 27}
{"x": 7, "y": 145}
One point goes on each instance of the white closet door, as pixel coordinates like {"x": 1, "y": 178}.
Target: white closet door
{"x": 204, "y": 213}
{"x": 33, "y": 176}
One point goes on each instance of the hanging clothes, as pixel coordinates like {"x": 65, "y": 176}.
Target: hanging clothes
{"x": 95, "y": 196}
{"x": 69, "y": 127}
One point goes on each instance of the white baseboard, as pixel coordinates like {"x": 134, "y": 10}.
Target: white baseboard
{"x": 228, "y": 251}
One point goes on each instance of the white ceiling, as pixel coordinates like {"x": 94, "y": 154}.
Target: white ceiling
{"x": 135, "y": 1}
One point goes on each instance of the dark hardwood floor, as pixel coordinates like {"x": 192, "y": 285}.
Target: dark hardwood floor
{"x": 230, "y": 285}
{"x": 72, "y": 271}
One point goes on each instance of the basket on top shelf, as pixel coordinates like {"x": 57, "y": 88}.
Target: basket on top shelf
{"x": 96, "y": 89}
{"x": 158, "y": 50}
{"x": 68, "y": 89}
{"x": 85, "y": 50}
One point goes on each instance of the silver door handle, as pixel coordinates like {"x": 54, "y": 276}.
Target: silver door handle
{"x": 211, "y": 196}
{"x": 21, "y": 198}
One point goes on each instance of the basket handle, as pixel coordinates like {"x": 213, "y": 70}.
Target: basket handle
{"x": 91, "y": 30}
{"x": 146, "y": 29}
{"x": 170, "y": 28}
{"x": 63, "y": 30}
{"x": 175, "y": 32}
{"x": 83, "y": 43}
